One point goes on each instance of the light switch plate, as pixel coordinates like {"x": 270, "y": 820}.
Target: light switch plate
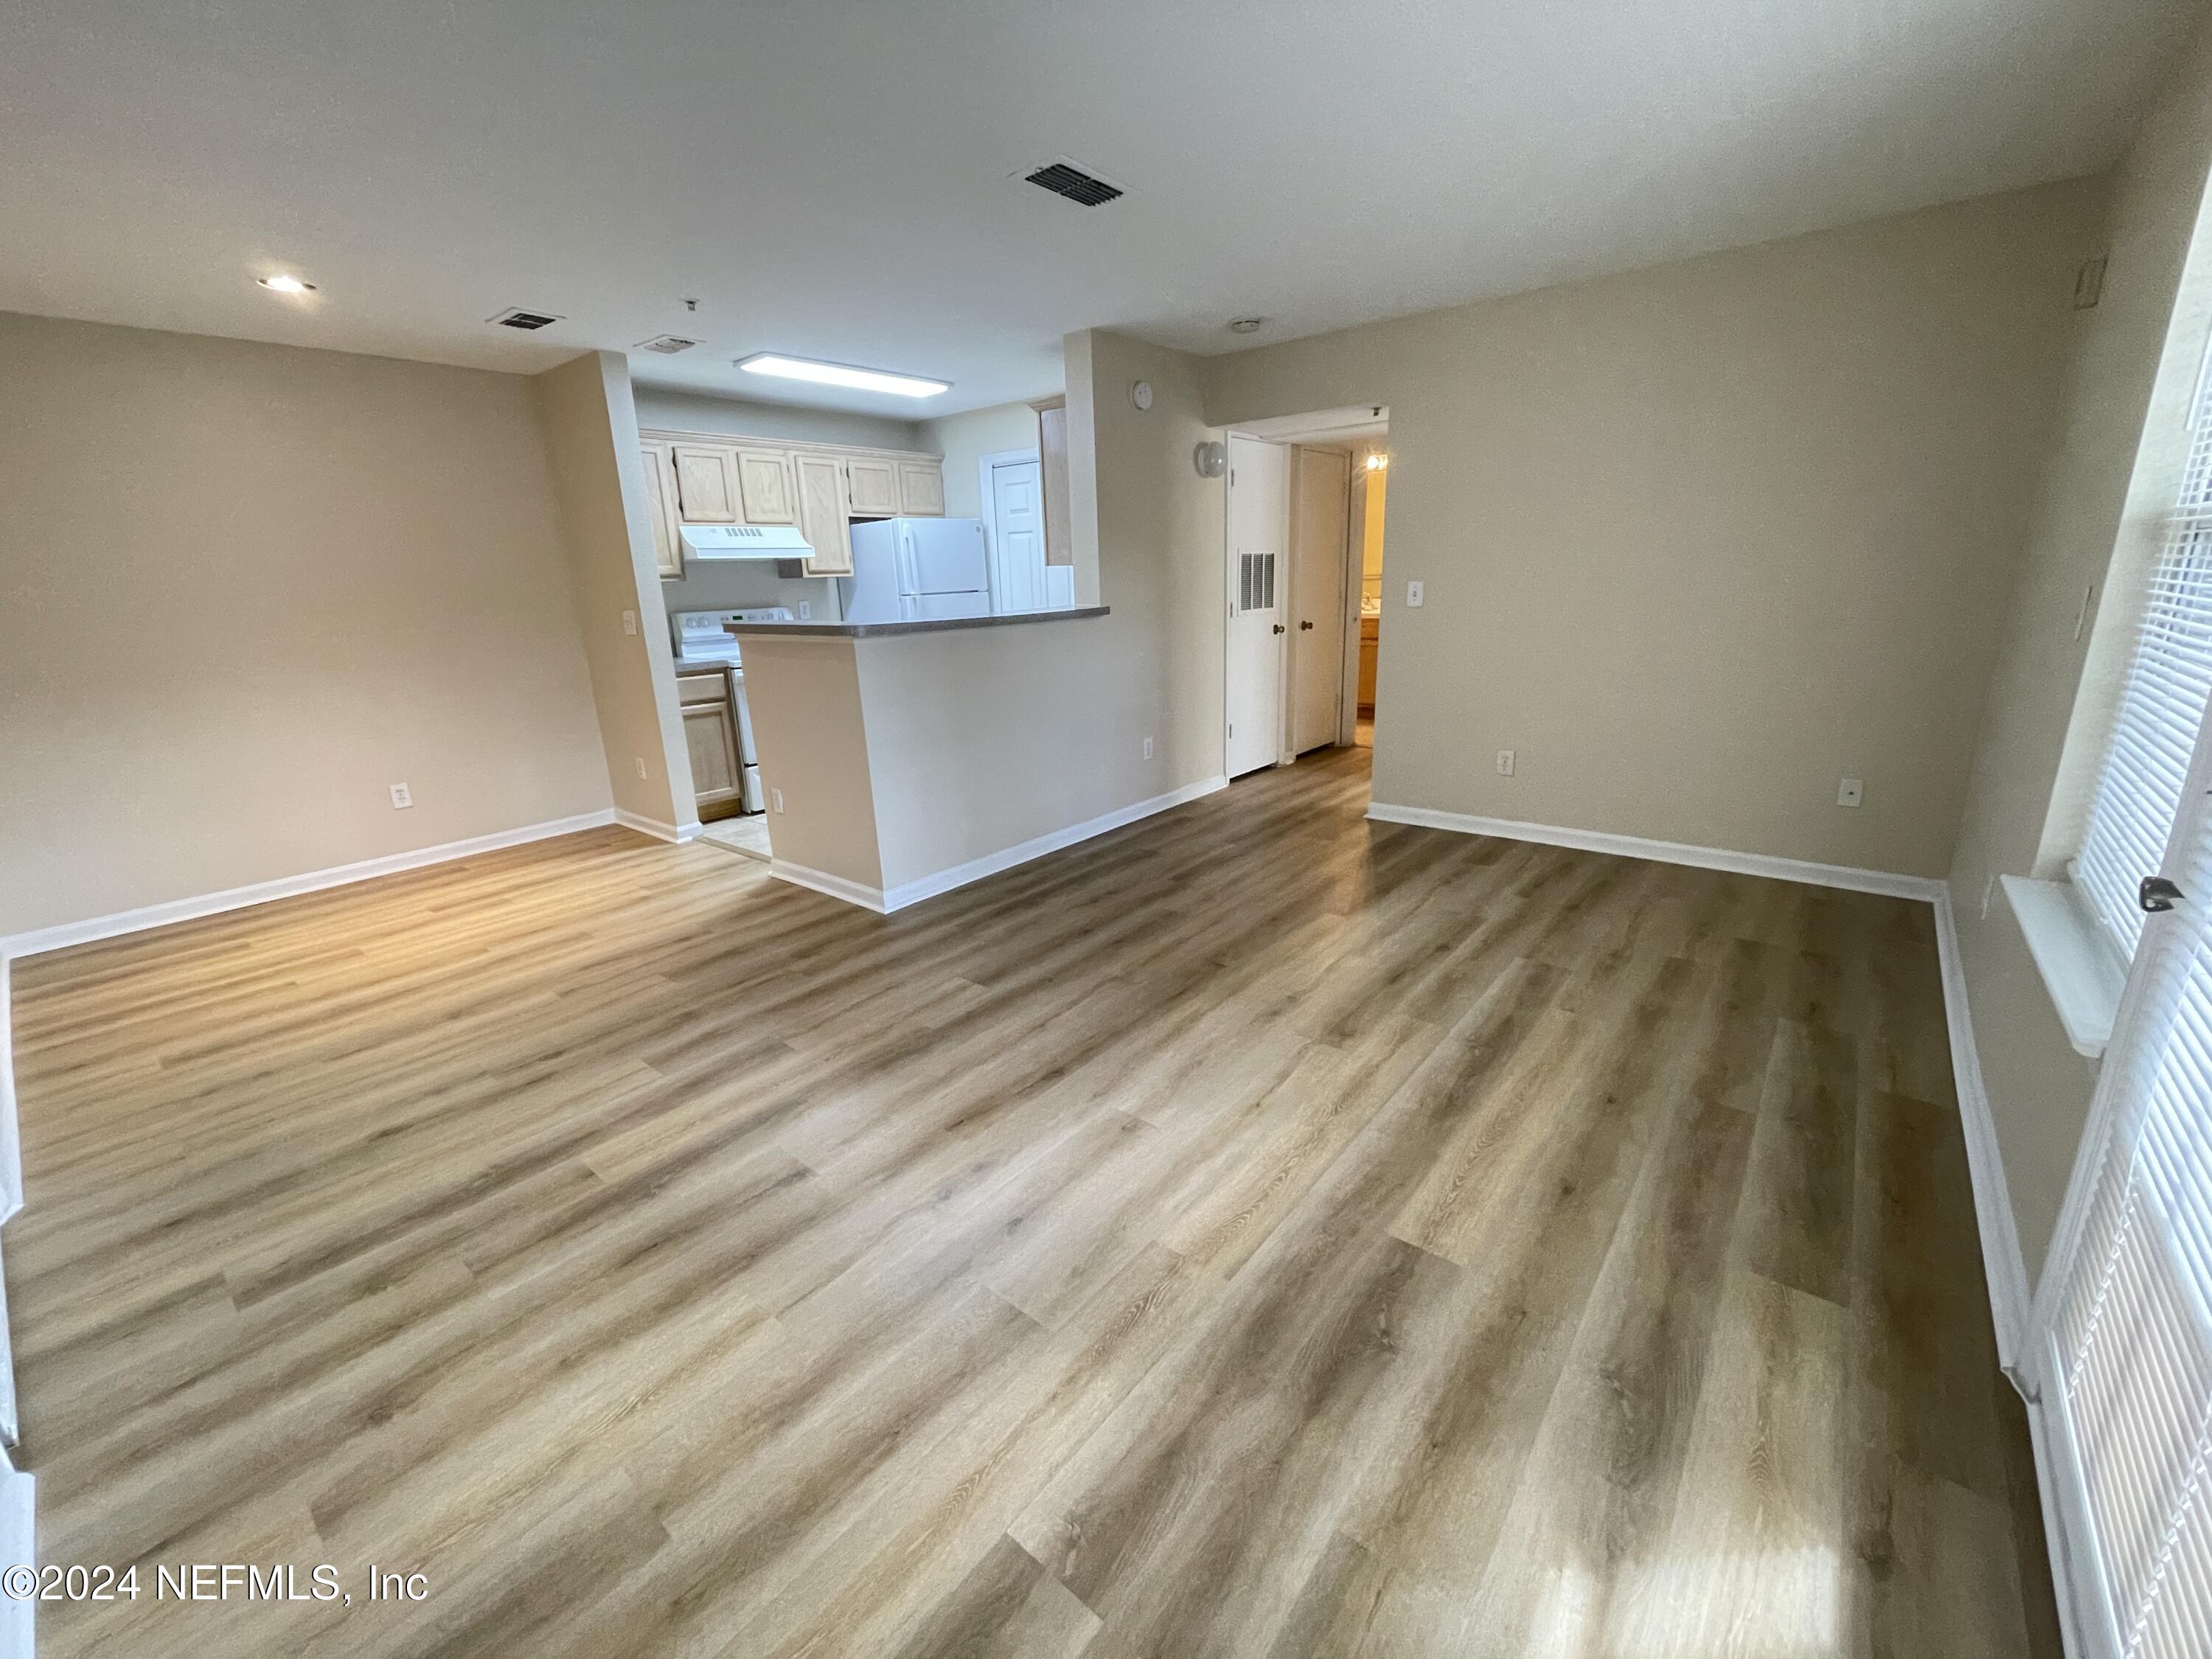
{"x": 1849, "y": 791}
{"x": 775, "y": 799}
{"x": 1413, "y": 595}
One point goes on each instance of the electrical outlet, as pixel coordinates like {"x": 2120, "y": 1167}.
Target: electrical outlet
{"x": 1148, "y": 749}
{"x": 402, "y": 797}
{"x": 1505, "y": 763}
{"x": 806, "y": 611}
{"x": 638, "y": 760}
{"x": 1413, "y": 592}
{"x": 775, "y": 799}
{"x": 1849, "y": 791}
{"x": 629, "y": 621}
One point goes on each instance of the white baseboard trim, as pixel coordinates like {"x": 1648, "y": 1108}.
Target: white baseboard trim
{"x": 959, "y": 875}
{"x": 654, "y": 827}
{"x": 853, "y": 892}
{"x": 2002, "y": 1259}
{"x": 261, "y": 892}
{"x": 1845, "y": 876}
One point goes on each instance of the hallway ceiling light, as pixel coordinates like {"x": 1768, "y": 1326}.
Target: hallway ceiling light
{"x": 860, "y": 379}
{"x": 1246, "y": 325}
{"x": 282, "y": 283}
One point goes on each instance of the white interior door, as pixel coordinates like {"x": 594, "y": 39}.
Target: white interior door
{"x": 1259, "y": 526}
{"x": 1018, "y": 569}
{"x": 1320, "y": 528}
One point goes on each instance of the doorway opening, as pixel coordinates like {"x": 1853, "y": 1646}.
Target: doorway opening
{"x": 1300, "y": 644}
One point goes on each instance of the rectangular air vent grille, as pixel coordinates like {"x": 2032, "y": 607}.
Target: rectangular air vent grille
{"x": 515, "y": 317}
{"x": 1065, "y": 179}
{"x": 666, "y": 344}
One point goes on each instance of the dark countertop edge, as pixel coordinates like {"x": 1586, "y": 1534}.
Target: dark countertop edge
{"x": 842, "y": 631}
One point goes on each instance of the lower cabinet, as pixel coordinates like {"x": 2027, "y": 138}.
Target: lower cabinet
{"x": 710, "y": 736}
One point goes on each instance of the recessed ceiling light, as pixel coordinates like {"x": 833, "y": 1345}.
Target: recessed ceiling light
{"x": 862, "y": 379}
{"x": 281, "y": 283}
{"x": 1246, "y": 325}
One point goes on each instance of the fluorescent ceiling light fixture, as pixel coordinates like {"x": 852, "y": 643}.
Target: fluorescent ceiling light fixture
{"x": 281, "y": 284}
{"x": 860, "y": 379}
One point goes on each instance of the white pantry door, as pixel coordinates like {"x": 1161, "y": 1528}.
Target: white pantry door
{"x": 1321, "y": 526}
{"x": 1017, "y": 537}
{"x": 1259, "y": 522}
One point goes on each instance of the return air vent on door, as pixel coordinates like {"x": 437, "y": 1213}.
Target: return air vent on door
{"x": 515, "y": 317}
{"x": 1256, "y": 582}
{"x": 1083, "y": 188}
{"x": 666, "y": 344}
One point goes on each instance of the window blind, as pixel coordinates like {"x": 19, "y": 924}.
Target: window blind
{"x": 2169, "y": 677}
{"x": 2131, "y": 1333}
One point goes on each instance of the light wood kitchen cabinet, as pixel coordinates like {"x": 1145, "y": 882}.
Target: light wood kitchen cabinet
{"x": 707, "y": 484}
{"x": 660, "y": 506}
{"x": 824, "y": 518}
{"x": 710, "y": 737}
{"x": 872, "y": 487}
{"x": 921, "y": 489}
{"x": 764, "y": 482}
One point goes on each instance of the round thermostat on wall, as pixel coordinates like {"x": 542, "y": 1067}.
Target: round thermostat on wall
{"x": 1141, "y": 394}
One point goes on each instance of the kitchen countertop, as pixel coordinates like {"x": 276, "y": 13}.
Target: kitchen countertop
{"x": 844, "y": 630}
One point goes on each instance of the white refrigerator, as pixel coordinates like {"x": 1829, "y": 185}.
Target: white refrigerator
{"x": 916, "y": 570}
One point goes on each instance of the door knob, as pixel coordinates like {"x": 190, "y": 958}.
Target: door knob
{"x": 1305, "y": 628}
{"x": 1278, "y": 628}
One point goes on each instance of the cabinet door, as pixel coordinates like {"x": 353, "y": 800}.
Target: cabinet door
{"x": 822, "y": 516}
{"x": 710, "y": 736}
{"x": 660, "y": 506}
{"x": 764, "y": 477}
{"x": 707, "y": 484}
{"x": 872, "y": 487}
{"x": 921, "y": 489}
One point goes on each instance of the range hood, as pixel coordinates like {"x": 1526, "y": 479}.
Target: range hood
{"x": 744, "y": 541}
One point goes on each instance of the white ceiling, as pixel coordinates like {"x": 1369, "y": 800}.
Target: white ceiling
{"x": 831, "y": 178}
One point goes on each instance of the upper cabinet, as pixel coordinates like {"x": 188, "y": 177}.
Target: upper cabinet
{"x": 823, "y": 519}
{"x": 921, "y": 489}
{"x": 872, "y": 484}
{"x": 707, "y": 484}
{"x": 660, "y": 505}
{"x": 764, "y": 479}
{"x": 699, "y": 477}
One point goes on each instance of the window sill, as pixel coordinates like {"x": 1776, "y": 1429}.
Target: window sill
{"x": 2079, "y": 968}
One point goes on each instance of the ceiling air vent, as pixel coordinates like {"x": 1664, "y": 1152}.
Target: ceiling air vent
{"x": 515, "y": 317}
{"x": 1064, "y": 177}
{"x": 666, "y": 344}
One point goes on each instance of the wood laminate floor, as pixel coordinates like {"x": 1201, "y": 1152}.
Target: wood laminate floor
{"x": 1260, "y": 1231}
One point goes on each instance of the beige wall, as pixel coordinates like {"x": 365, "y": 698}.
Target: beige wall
{"x": 590, "y": 434}
{"x": 1701, "y": 539}
{"x": 2018, "y": 816}
{"x": 1147, "y": 535}
{"x": 693, "y": 411}
{"x": 963, "y": 765}
{"x": 804, "y": 696}
{"x": 243, "y": 588}
{"x": 964, "y": 439}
